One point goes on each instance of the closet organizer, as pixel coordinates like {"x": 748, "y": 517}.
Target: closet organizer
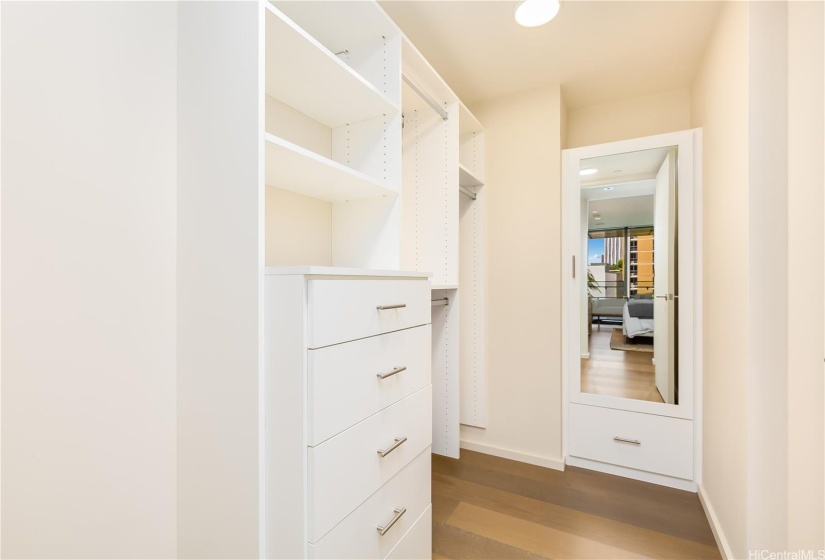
{"x": 370, "y": 236}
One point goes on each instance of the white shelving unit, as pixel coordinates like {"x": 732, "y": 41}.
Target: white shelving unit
{"x": 467, "y": 179}
{"x": 297, "y": 169}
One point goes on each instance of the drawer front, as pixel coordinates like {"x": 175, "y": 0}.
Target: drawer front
{"x": 665, "y": 445}
{"x": 344, "y": 382}
{"x": 346, "y": 469}
{"x": 343, "y": 310}
{"x": 417, "y": 544}
{"x": 357, "y": 536}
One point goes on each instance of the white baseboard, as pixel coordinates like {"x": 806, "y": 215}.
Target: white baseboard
{"x": 718, "y": 534}
{"x": 556, "y": 464}
{"x": 635, "y": 474}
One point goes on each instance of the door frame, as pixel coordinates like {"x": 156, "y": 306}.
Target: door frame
{"x": 689, "y": 177}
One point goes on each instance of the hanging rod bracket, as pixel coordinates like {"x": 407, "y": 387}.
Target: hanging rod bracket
{"x": 468, "y": 192}
{"x": 430, "y": 101}
{"x": 442, "y": 301}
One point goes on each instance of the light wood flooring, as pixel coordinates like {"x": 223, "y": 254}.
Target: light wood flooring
{"x": 488, "y": 507}
{"x": 618, "y": 373}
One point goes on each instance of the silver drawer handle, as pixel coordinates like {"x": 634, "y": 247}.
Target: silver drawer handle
{"x": 391, "y": 373}
{"x": 623, "y": 440}
{"x": 398, "y": 513}
{"x": 393, "y": 447}
{"x": 394, "y": 306}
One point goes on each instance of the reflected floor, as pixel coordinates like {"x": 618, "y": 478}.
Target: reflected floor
{"x": 618, "y": 373}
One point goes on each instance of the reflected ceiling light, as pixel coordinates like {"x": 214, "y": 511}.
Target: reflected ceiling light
{"x": 597, "y": 218}
{"x": 608, "y": 188}
{"x": 588, "y": 171}
{"x": 595, "y": 212}
{"x": 532, "y": 13}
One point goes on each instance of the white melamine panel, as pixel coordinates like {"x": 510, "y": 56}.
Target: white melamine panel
{"x": 430, "y": 193}
{"x": 371, "y": 147}
{"x": 363, "y": 35}
{"x": 467, "y": 179}
{"x": 305, "y": 75}
{"x": 285, "y": 412}
{"x": 343, "y": 382}
{"x": 417, "y": 544}
{"x": 293, "y": 126}
{"x": 89, "y": 228}
{"x": 357, "y": 535}
{"x": 366, "y": 232}
{"x": 298, "y": 229}
{"x": 468, "y": 122}
{"x": 220, "y": 258}
{"x": 665, "y": 444}
{"x": 445, "y": 356}
{"x": 347, "y": 309}
{"x": 345, "y": 470}
{"x": 291, "y": 167}
{"x": 471, "y": 156}
{"x": 473, "y": 329}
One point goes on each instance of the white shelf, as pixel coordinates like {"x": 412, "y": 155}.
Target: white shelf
{"x": 296, "y": 169}
{"x": 467, "y": 179}
{"x": 444, "y": 287}
{"x": 305, "y": 75}
{"x": 341, "y": 271}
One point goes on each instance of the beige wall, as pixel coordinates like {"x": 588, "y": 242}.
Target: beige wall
{"x": 523, "y": 182}
{"x": 88, "y": 338}
{"x": 629, "y": 118}
{"x": 719, "y": 106}
{"x": 806, "y": 175}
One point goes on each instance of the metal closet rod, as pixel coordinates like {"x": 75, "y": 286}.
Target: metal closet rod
{"x": 442, "y": 301}
{"x": 468, "y": 192}
{"x": 430, "y": 101}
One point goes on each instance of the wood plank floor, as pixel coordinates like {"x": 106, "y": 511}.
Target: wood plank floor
{"x": 488, "y": 507}
{"x": 618, "y": 373}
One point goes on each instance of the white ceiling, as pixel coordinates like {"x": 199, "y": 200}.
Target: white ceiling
{"x": 623, "y": 168}
{"x": 621, "y": 212}
{"x": 598, "y": 51}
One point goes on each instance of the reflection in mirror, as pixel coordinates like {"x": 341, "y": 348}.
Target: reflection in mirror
{"x": 630, "y": 296}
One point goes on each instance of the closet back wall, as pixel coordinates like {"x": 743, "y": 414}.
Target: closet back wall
{"x": 88, "y": 286}
{"x": 523, "y": 183}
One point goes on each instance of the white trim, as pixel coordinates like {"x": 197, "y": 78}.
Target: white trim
{"x": 644, "y": 476}
{"x": 555, "y": 464}
{"x": 718, "y": 534}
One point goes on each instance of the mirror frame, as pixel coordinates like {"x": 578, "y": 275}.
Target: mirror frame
{"x": 574, "y": 270}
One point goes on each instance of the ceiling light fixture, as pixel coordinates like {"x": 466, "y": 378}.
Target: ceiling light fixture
{"x": 588, "y": 171}
{"x": 533, "y": 13}
{"x": 597, "y": 218}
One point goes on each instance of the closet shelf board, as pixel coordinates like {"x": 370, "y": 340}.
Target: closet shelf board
{"x": 444, "y": 287}
{"x": 303, "y": 74}
{"x": 467, "y": 179}
{"x": 293, "y": 168}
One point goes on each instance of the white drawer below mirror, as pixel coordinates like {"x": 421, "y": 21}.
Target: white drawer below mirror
{"x": 656, "y": 444}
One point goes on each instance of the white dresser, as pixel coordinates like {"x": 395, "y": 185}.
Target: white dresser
{"x": 348, "y": 405}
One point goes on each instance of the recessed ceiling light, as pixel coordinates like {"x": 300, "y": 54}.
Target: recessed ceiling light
{"x": 533, "y": 13}
{"x": 608, "y": 188}
{"x": 617, "y": 171}
{"x": 588, "y": 171}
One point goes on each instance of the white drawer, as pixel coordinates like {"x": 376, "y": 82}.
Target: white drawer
{"x": 346, "y": 469}
{"x": 357, "y": 535}
{"x": 417, "y": 544}
{"x": 665, "y": 444}
{"x": 343, "y": 310}
{"x": 344, "y": 387}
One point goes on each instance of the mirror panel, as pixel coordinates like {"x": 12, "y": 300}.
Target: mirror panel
{"x": 630, "y": 238}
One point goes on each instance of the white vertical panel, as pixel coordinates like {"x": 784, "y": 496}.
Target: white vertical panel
{"x": 219, "y": 273}
{"x": 371, "y": 146}
{"x": 473, "y": 340}
{"x": 445, "y": 324}
{"x": 365, "y": 233}
{"x": 88, "y": 286}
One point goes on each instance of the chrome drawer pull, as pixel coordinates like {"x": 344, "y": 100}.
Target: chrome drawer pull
{"x": 391, "y": 373}
{"x": 393, "y": 447}
{"x": 395, "y": 306}
{"x": 398, "y": 513}
{"x": 623, "y": 440}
